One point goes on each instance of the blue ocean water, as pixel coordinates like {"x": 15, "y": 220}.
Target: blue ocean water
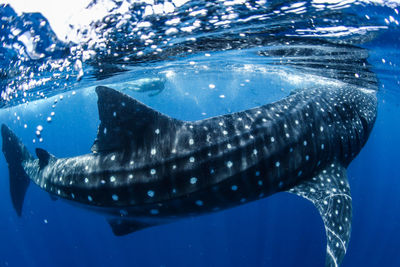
{"x": 252, "y": 56}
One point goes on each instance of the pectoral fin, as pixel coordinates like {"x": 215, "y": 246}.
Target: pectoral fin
{"x": 329, "y": 191}
{"x": 122, "y": 227}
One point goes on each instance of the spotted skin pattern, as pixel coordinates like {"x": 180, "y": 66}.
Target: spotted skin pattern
{"x": 147, "y": 168}
{"x": 330, "y": 193}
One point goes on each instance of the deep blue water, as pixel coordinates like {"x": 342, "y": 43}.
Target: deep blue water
{"x": 281, "y": 230}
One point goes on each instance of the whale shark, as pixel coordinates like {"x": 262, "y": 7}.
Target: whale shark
{"x": 147, "y": 168}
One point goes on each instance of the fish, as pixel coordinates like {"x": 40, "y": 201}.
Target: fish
{"x": 152, "y": 85}
{"x": 147, "y": 168}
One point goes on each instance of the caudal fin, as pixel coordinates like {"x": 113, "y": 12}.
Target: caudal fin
{"x": 16, "y": 154}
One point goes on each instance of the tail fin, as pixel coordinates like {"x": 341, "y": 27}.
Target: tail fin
{"x": 16, "y": 153}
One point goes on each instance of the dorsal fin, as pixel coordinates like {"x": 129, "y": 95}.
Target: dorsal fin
{"x": 44, "y": 157}
{"x": 126, "y": 122}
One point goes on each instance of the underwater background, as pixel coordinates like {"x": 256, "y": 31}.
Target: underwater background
{"x": 193, "y": 60}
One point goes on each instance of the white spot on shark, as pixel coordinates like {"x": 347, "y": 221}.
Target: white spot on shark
{"x": 154, "y": 211}
{"x": 199, "y": 203}
{"x": 123, "y": 212}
